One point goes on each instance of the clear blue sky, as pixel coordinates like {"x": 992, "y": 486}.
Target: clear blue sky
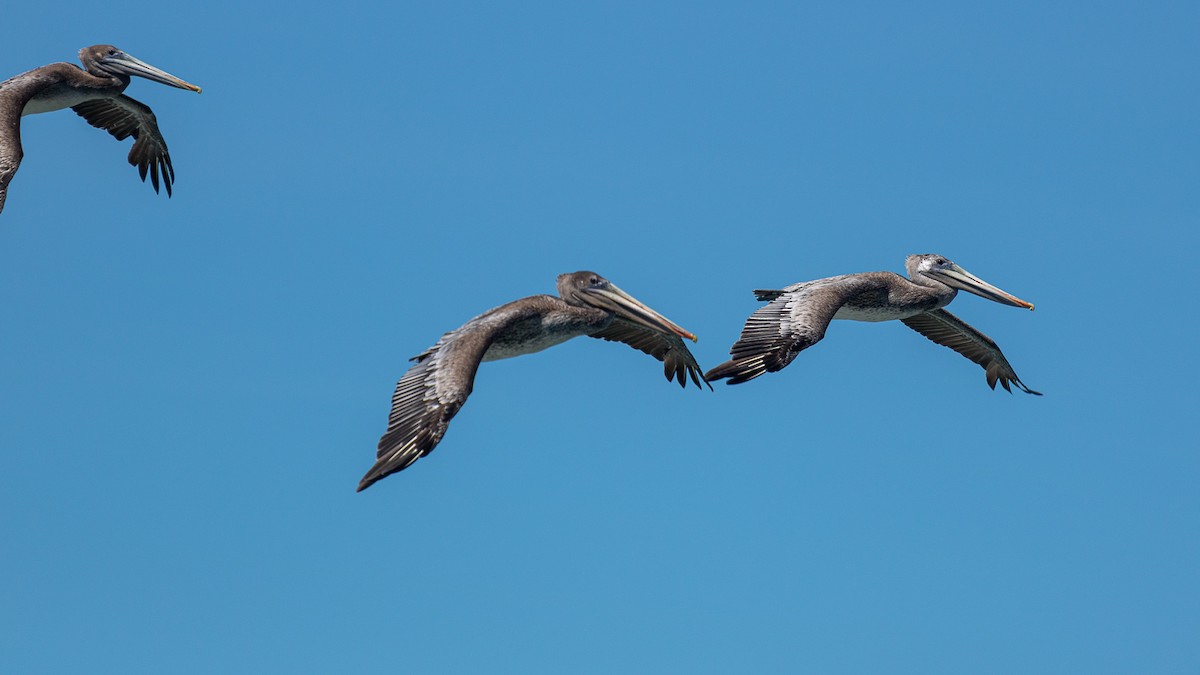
{"x": 191, "y": 388}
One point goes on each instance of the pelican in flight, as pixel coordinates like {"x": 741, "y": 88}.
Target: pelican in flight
{"x": 432, "y": 391}
{"x": 797, "y": 316}
{"x": 94, "y": 93}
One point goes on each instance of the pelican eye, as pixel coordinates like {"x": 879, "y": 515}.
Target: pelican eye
{"x": 112, "y": 52}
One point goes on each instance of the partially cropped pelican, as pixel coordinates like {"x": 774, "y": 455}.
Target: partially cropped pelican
{"x": 434, "y": 389}
{"x": 94, "y": 93}
{"x": 798, "y": 315}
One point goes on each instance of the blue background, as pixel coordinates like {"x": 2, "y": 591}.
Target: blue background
{"x": 191, "y": 388}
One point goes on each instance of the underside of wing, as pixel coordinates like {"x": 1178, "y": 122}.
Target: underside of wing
{"x": 950, "y": 331}
{"x": 678, "y": 362}
{"x": 123, "y": 117}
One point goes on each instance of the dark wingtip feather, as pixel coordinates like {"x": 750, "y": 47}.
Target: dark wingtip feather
{"x": 168, "y": 176}
{"x": 718, "y": 372}
{"x": 736, "y": 371}
{"x": 376, "y": 474}
{"x": 1025, "y": 389}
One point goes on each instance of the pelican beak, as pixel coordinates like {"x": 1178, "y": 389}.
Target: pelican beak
{"x": 142, "y": 69}
{"x": 956, "y": 277}
{"x": 629, "y": 308}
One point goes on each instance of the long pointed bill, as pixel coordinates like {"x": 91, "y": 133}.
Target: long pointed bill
{"x": 629, "y": 308}
{"x": 142, "y": 69}
{"x": 959, "y": 278}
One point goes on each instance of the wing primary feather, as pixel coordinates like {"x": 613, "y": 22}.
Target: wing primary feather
{"x": 793, "y": 320}
{"x": 122, "y": 117}
{"x": 678, "y": 361}
{"x": 945, "y": 329}
{"x": 430, "y": 394}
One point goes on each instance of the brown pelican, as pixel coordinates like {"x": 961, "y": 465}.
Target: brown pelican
{"x": 798, "y": 315}
{"x": 431, "y": 392}
{"x": 94, "y": 93}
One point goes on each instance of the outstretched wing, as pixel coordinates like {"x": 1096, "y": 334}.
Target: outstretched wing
{"x": 678, "y": 362}
{"x": 123, "y": 117}
{"x": 10, "y": 143}
{"x": 429, "y": 395}
{"x": 948, "y": 330}
{"x": 426, "y": 398}
{"x": 794, "y": 320}
{"x": 15, "y": 92}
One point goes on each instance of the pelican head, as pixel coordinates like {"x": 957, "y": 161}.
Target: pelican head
{"x": 108, "y": 61}
{"x": 588, "y": 289}
{"x": 940, "y": 269}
